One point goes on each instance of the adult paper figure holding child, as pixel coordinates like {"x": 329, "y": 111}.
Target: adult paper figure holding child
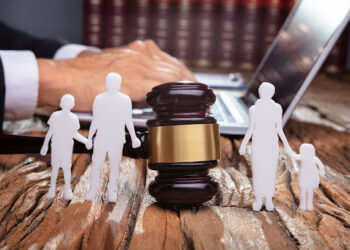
{"x": 265, "y": 125}
{"x": 112, "y": 111}
{"x": 64, "y": 126}
{"x": 308, "y": 178}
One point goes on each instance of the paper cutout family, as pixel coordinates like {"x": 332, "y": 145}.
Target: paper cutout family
{"x": 108, "y": 123}
{"x": 265, "y": 126}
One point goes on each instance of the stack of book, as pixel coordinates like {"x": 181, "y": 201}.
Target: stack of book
{"x": 225, "y": 34}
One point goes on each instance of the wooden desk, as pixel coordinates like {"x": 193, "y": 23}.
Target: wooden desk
{"x": 30, "y": 220}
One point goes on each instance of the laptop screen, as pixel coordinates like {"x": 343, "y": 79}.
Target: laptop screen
{"x": 299, "y": 47}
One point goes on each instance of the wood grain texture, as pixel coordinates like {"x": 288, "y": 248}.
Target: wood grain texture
{"x": 28, "y": 220}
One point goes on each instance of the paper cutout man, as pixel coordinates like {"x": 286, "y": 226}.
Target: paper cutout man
{"x": 308, "y": 177}
{"x": 265, "y": 126}
{"x": 112, "y": 111}
{"x": 64, "y": 126}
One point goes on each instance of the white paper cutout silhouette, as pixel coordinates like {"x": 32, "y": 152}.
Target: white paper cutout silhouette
{"x": 64, "y": 126}
{"x": 112, "y": 111}
{"x": 308, "y": 178}
{"x": 265, "y": 126}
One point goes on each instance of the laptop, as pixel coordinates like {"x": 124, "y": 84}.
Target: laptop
{"x": 291, "y": 63}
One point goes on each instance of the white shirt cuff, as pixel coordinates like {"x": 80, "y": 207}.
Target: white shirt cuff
{"x": 72, "y": 50}
{"x": 21, "y": 83}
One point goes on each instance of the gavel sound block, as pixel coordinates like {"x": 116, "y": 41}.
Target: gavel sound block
{"x": 182, "y": 143}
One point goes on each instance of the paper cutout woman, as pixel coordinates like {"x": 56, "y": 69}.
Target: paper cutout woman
{"x": 265, "y": 126}
{"x": 308, "y": 177}
{"x": 112, "y": 111}
{"x": 64, "y": 126}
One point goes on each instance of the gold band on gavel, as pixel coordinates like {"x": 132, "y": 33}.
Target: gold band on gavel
{"x": 184, "y": 143}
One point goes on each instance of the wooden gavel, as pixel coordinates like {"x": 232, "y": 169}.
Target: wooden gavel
{"x": 182, "y": 143}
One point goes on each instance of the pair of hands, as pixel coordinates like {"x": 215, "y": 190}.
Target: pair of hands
{"x": 287, "y": 149}
{"x": 136, "y": 143}
{"x": 142, "y": 65}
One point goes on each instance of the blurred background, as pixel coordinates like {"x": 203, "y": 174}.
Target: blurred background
{"x": 207, "y": 35}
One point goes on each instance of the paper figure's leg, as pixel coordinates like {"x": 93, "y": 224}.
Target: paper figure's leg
{"x": 257, "y": 204}
{"x": 302, "y": 204}
{"x": 52, "y": 191}
{"x": 310, "y": 197}
{"x": 68, "y": 194}
{"x": 98, "y": 158}
{"x": 269, "y": 204}
{"x": 114, "y": 160}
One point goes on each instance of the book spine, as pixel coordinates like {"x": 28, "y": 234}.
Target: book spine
{"x": 250, "y": 25}
{"x": 184, "y": 30}
{"x": 115, "y": 23}
{"x": 227, "y": 34}
{"x": 139, "y": 14}
{"x": 162, "y": 25}
{"x": 336, "y": 60}
{"x": 204, "y": 56}
{"x": 93, "y": 23}
{"x": 273, "y": 17}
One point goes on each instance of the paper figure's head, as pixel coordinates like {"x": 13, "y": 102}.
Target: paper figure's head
{"x": 266, "y": 90}
{"x": 67, "y": 102}
{"x": 113, "y": 82}
{"x": 307, "y": 150}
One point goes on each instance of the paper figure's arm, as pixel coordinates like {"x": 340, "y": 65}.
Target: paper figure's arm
{"x": 45, "y": 146}
{"x": 93, "y": 125}
{"x": 80, "y": 138}
{"x": 296, "y": 156}
{"x": 249, "y": 132}
{"x": 281, "y": 134}
{"x": 130, "y": 126}
{"x": 320, "y": 166}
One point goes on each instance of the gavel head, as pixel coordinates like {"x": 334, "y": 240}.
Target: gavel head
{"x": 184, "y": 143}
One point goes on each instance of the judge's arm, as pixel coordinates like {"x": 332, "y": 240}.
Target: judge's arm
{"x": 280, "y": 132}
{"x": 130, "y": 125}
{"x": 249, "y": 132}
{"x": 142, "y": 65}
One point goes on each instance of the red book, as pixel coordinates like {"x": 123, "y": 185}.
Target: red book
{"x": 162, "y": 25}
{"x": 139, "y": 23}
{"x": 273, "y": 17}
{"x": 184, "y": 30}
{"x": 93, "y": 23}
{"x": 204, "y": 51}
{"x": 227, "y": 34}
{"x": 336, "y": 60}
{"x": 250, "y": 34}
{"x": 115, "y": 23}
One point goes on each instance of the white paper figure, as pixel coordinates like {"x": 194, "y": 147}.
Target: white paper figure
{"x": 64, "y": 126}
{"x": 112, "y": 111}
{"x": 265, "y": 125}
{"x": 308, "y": 177}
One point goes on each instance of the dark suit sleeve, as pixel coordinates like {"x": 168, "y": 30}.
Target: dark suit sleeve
{"x": 2, "y": 95}
{"x": 12, "y": 39}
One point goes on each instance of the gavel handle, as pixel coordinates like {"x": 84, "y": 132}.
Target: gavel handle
{"x": 21, "y": 144}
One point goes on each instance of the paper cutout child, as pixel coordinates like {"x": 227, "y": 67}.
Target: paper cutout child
{"x": 112, "y": 111}
{"x": 64, "y": 126}
{"x": 308, "y": 177}
{"x": 265, "y": 126}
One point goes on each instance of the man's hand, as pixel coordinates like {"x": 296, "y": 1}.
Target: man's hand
{"x": 88, "y": 144}
{"x": 142, "y": 65}
{"x": 136, "y": 143}
{"x": 44, "y": 149}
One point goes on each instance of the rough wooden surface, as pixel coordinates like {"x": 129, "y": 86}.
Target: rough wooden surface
{"x": 29, "y": 220}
